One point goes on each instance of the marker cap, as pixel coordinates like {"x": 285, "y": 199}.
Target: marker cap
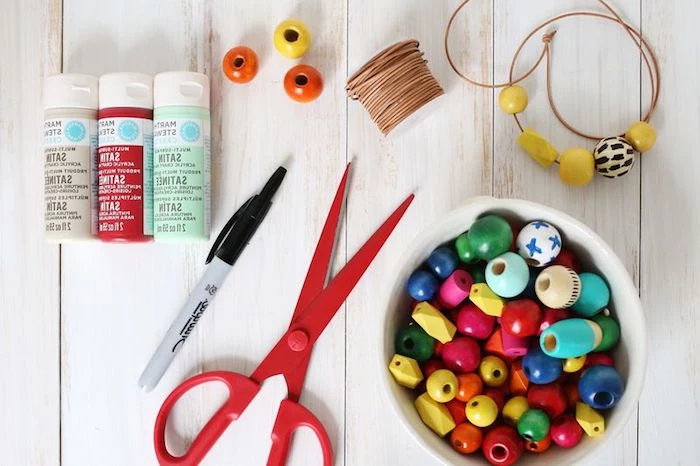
{"x": 181, "y": 88}
{"x": 70, "y": 91}
{"x": 126, "y": 90}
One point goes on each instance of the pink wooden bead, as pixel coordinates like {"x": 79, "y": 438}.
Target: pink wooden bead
{"x": 514, "y": 346}
{"x": 455, "y": 289}
{"x": 473, "y": 322}
{"x": 461, "y": 355}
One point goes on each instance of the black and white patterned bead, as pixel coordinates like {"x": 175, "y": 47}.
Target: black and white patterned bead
{"x": 614, "y": 157}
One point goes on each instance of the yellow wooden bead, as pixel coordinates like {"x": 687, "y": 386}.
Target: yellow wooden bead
{"x": 482, "y": 411}
{"x": 434, "y": 415}
{"x": 442, "y": 385}
{"x": 574, "y": 364}
{"x": 406, "y": 371}
{"x": 486, "y": 300}
{"x": 434, "y": 322}
{"x": 641, "y": 135}
{"x": 514, "y": 408}
{"x": 576, "y": 167}
{"x": 538, "y": 148}
{"x": 513, "y": 99}
{"x": 493, "y": 371}
{"x": 590, "y": 420}
{"x": 292, "y": 38}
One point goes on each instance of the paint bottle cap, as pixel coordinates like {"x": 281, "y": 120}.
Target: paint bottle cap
{"x": 134, "y": 90}
{"x": 70, "y": 91}
{"x": 181, "y": 88}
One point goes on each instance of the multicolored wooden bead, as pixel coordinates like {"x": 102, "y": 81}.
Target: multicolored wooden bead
{"x": 513, "y": 99}
{"x": 466, "y": 438}
{"x": 594, "y": 297}
{"x": 461, "y": 355}
{"x": 641, "y": 135}
{"x": 537, "y": 147}
{"x": 405, "y": 371}
{"x": 521, "y": 318}
{"x": 533, "y": 425}
{"x": 502, "y": 446}
{"x": 610, "y": 329}
{"x": 434, "y": 415}
{"x": 514, "y": 409}
{"x": 441, "y": 385}
{"x": 490, "y": 236}
{"x": 493, "y": 371}
{"x": 469, "y": 385}
{"x": 539, "y": 243}
{"x": 590, "y": 420}
{"x": 434, "y": 322}
{"x": 558, "y": 287}
{"x": 570, "y": 338}
{"x": 614, "y": 157}
{"x": 455, "y": 289}
{"x": 550, "y": 398}
{"x": 442, "y": 262}
{"x": 486, "y": 300}
{"x": 464, "y": 249}
{"x": 601, "y": 387}
{"x": 413, "y": 342}
{"x": 576, "y": 167}
{"x": 422, "y": 285}
{"x": 507, "y": 275}
{"x": 540, "y": 368}
{"x": 482, "y": 411}
{"x": 565, "y": 431}
{"x": 474, "y": 323}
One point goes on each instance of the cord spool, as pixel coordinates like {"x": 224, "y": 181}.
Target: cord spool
{"x": 394, "y": 84}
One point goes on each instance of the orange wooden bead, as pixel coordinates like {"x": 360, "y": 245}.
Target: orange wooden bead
{"x": 494, "y": 345}
{"x": 540, "y": 446}
{"x": 466, "y": 438}
{"x": 469, "y": 385}
{"x": 518, "y": 383}
{"x": 240, "y": 64}
{"x": 303, "y": 83}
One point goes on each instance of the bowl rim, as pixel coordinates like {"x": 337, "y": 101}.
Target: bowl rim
{"x": 635, "y": 380}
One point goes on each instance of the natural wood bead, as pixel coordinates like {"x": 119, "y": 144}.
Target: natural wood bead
{"x": 434, "y": 322}
{"x": 614, "y": 157}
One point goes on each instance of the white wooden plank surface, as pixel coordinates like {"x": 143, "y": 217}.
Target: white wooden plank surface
{"x": 30, "y": 46}
{"x": 116, "y": 301}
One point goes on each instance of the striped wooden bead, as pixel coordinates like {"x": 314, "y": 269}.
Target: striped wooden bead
{"x": 558, "y": 287}
{"x": 614, "y": 157}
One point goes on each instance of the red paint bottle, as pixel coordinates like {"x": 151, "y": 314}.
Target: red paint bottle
{"x": 125, "y": 157}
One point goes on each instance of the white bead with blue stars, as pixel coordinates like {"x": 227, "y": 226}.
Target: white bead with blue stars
{"x": 539, "y": 243}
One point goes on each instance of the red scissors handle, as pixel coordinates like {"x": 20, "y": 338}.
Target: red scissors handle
{"x": 242, "y": 390}
{"x": 290, "y": 417}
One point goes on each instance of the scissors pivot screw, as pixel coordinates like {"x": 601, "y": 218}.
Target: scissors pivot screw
{"x": 298, "y": 340}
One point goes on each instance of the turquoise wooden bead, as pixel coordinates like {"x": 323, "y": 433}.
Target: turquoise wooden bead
{"x": 412, "y": 341}
{"x": 570, "y": 338}
{"x": 595, "y": 295}
{"x": 611, "y": 332}
{"x": 490, "y": 236}
{"x": 464, "y": 249}
{"x": 507, "y": 275}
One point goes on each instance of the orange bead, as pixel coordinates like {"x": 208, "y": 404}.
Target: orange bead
{"x": 303, "y": 83}
{"x": 539, "y": 447}
{"x": 517, "y": 382}
{"x": 469, "y": 385}
{"x": 466, "y": 438}
{"x": 240, "y": 64}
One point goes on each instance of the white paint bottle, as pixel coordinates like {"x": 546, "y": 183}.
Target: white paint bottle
{"x": 70, "y": 157}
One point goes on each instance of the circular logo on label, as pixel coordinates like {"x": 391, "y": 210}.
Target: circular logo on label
{"x": 75, "y": 131}
{"x": 128, "y": 130}
{"x": 189, "y": 131}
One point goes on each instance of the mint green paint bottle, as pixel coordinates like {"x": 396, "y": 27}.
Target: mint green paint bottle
{"x": 182, "y": 157}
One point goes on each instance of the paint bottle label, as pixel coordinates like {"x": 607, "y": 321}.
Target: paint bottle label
{"x": 70, "y": 174}
{"x": 125, "y": 161}
{"x": 182, "y": 169}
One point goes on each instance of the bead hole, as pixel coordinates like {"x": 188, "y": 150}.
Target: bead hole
{"x": 290, "y": 35}
{"x": 447, "y": 389}
{"x": 499, "y": 452}
{"x": 533, "y": 445}
{"x": 474, "y": 404}
{"x": 603, "y": 398}
{"x": 550, "y": 342}
{"x": 532, "y": 262}
{"x": 459, "y": 444}
{"x": 238, "y": 62}
{"x": 397, "y": 363}
{"x": 596, "y": 429}
{"x": 301, "y": 80}
{"x": 496, "y": 373}
{"x": 498, "y": 267}
{"x": 409, "y": 343}
{"x": 543, "y": 285}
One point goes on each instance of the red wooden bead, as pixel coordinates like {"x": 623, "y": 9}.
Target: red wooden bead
{"x": 596, "y": 359}
{"x": 430, "y": 366}
{"x": 473, "y": 322}
{"x": 438, "y": 349}
{"x": 571, "y": 393}
{"x": 461, "y": 355}
{"x": 497, "y": 394}
{"x": 549, "y": 316}
{"x": 502, "y": 446}
{"x": 568, "y": 259}
{"x": 538, "y": 447}
{"x": 521, "y": 317}
{"x": 565, "y": 431}
{"x": 550, "y": 398}
{"x": 303, "y": 83}
{"x": 240, "y": 64}
{"x": 457, "y": 410}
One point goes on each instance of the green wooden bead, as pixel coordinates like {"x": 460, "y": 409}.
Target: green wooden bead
{"x": 412, "y": 341}
{"x": 533, "y": 425}
{"x": 478, "y": 273}
{"x": 490, "y": 236}
{"x": 610, "y": 329}
{"x": 464, "y": 249}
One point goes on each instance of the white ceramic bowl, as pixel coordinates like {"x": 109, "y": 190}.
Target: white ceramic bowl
{"x": 630, "y": 355}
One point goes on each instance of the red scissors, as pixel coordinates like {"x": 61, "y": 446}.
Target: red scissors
{"x": 290, "y": 356}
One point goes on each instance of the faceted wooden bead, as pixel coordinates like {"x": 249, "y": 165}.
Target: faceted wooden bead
{"x": 576, "y": 167}
{"x": 466, "y": 438}
{"x": 486, "y": 300}
{"x": 482, "y": 411}
{"x": 490, "y": 236}
{"x": 507, "y": 275}
{"x": 514, "y": 408}
{"x": 494, "y": 345}
{"x": 493, "y": 371}
{"x": 611, "y": 332}
{"x": 434, "y": 322}
{"x": 434, "y": 415}
{"x": 412, "y": 341}
{"x": 406, "y": 371}
{"x": 441, "y": 385}
{"x": 539, "y": 243}
{"x": 641, "y": 135}
{"x": 537, "y": 147}
{"x": 558, "y": 287}
{"x": 513, "y": 99}
{"x": 464, "y": 249}
{"x": 614, "y": 157}
{"x": 502, "y": 446}
{"x": 590, "y": 420}
{"x": 518, "y": 383}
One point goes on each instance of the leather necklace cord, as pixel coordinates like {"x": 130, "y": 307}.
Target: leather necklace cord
{"x": 647, "y": 54}
{"x": 393, "y": 84}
